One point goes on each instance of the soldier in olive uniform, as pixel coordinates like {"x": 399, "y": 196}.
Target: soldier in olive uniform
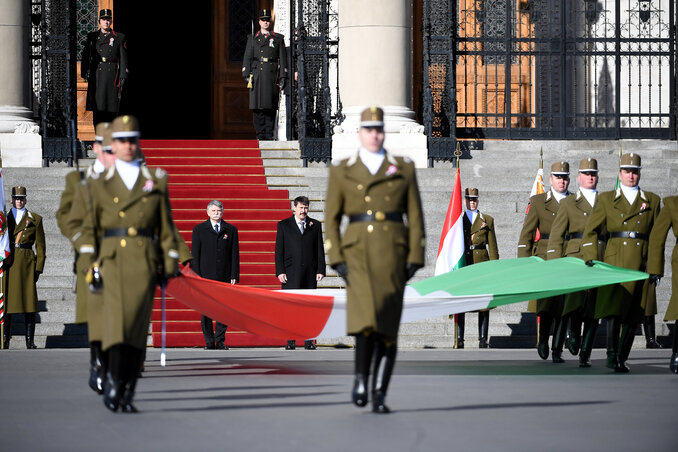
{"x": 627, "y": 214}
{"x": 543, "y": 210}
{"x": 74, "y": 206}
{"x": 264, "y": 68}
{"x": 24, "y": 268}
{"x": 668, "y": 218}
{"x": 565, "y": 240}
{"x": 104, "y": 67}
{"x": 132, "y": 232}
{"x": 480, "y": 244}
{"x": 377, "y": 253}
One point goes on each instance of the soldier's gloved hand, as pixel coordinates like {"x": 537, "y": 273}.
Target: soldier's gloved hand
{"x": 589, "y": 263}
{"x": 654, "y": 279}
{"x": 341, "y": 269}
{"x": 37, "y": 275}
{"x": 283, "y": 84}
{"x": 412, "y": 269}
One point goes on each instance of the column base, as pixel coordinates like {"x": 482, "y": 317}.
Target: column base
{"x": 21, "y": 150}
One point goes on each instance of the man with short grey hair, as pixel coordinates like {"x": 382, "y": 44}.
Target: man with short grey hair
{"x": 216, "y": 256}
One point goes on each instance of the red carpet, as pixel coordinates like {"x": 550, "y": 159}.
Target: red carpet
{"x": 232, "y": 172}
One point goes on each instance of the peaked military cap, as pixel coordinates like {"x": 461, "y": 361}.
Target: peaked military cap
{"x": 265, "y": 14}
{"x": 588, "y": 165}
{"x": 126, "y": 126}
{"x": 106, "y": 140}
{"x": 99, "y": 131}
{"x": 105, "y": 14}
{"x": 630, "y": 161}
{"x": 18, "y": 192}
{"x": 372, "y": 117}
{"x": 471, "y": 193}
{"x": 560, "y": 169}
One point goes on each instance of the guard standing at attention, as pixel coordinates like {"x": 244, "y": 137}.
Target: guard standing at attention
{"x": 480, "y": 245}
{"x": 264, "y": 68}
{"x": 72, "y": 210}
{"x": 130, "y": 238}
{"x": 104, "y": 68}
{"x": 377, "y": 253}
{"x": 668, "y": 218}
{"x": 25, "y": 231}
{"x": 566, "y": 236}
{"x": 627, "y": 214}
{"x": 543, "y": 210}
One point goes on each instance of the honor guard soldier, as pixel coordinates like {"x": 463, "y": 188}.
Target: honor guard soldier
{"x": 377, "y": 253}
{"x": 21, "y": 295}
{"x": 627, "y": 214}
{"x": 543, "y": 210}
{"x": 72, "y": 210}
{"x": 264, "y": 68}
{"x": 104, "y": 68}
{"x": 668, "y": 218}
{"x": 480, "y": 244}
{"x": 565, "y": 239}
{"x": 130, "y": 238}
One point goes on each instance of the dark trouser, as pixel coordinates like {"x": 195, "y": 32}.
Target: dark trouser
{"x": 213, "y": 335}
{"x": 103, "y": 116}
{"x": 264, "y": 120}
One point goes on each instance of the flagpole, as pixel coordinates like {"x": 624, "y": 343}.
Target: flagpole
{"x": 163, "y": 334}
{"x": 457, "y": 154}
{"x": 541, "y": 167}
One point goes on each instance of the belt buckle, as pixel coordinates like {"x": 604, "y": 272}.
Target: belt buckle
{"x": 264, "y": 59}
{"x": 132, "y": 231}
{"x": 632, "y": 234}
{"x": 380, "y": 216}
{"x": 103, "y": 59}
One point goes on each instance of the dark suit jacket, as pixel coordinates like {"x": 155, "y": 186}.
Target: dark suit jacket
{"x": 216, "y": 257}
{"x": 301, "y": 257}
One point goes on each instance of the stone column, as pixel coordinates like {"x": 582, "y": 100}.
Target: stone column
{"x": 282, "y": 19}
{"x": 20, "y": 143}
{"x": 375, "y": 68}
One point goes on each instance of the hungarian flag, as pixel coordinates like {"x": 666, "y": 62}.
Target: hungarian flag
{"x": 451, "y": 247}
{"x": 537, "y": 188}
{"x": 321, "y": 313}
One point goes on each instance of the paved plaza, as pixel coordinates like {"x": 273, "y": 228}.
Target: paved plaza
{"x": 276, "y": 400}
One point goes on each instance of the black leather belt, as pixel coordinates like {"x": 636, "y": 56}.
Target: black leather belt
{"x": 128, "y": 232}
{"x": 377, "y": 216}
{"x": 580, "y": 235}
{"x": 477, "y": 247}
{"x": 544, "y": 236}
{"x": 107, "y": 60}
{"x": 629, "y": 235}
{"x": 268, "y": 60}
{"x": 25, "y": 246}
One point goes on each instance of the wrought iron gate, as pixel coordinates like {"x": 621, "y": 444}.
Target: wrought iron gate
{"x": 548, "y": 69}
{"x": 315, "y": 60}
{"x": 58, "y": 95}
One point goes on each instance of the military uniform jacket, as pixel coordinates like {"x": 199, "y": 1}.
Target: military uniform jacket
{"x": 266, "y": 60}
{"x": 216, "y": 256}
{"x": 129, "y": 263}
{"x": 614, "y": 214}
{"x": 376, "y": 252}
{"x": 668, "y": 218}
{"x": 22, "y": 294}
{"x": 104, "y": 64}
{"x": 543, "y": 210}
{"x": 481, "y": 236}
{"x": 300, "y": 257}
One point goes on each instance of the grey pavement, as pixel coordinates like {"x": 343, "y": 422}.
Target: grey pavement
{"x": 276, "y": 400}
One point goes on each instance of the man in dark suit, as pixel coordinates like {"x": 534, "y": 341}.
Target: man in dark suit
{"x": 215, "y": 256}
{"x": 299, "y": 253}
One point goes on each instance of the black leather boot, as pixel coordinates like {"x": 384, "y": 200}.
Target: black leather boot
{"x": 383, "y": 369}
{"x": 291, "y": 345}
{"x": 29, "y": 319}
{"x": 483, "y": 328}
{"x": 364, "y": 349}
{"x": 559, "y": 332}
{"x": 574, "y": 337}
{"x": 461, "y": 325}
{"x": 93, "y": 374}
{"x": 613, "y": 329}
{"x": 650, "y": 335}
{"x": 309, "y": 345}
{"x": 544, "y": 332}
{"x": 628, "y": 331}
{"x": 590, "y": 329}
{"x": 133, "y": 359}
{"x": 673, "y": 365}
{"x": 7, "y": 331}
{"x": 98, "y": 367}
{"x": 113, "y": 385}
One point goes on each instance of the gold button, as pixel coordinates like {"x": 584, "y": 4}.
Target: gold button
{"x": 132, "y": 231}
{"x": 380, "y": 216}
{"x": 121, "y": 214}
{"x": 360, "y": 187}
{"x": 370, "y": 228}
{"x": 387, "y": 198}
{"x": 369, "y": 212}
{"x": 123, "y": 243}
{"x": 368, "y": 198}
{"x": 116, "y": 200}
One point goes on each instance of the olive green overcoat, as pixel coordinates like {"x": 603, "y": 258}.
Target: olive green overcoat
{"x": 21, "y": 290}
{"x": 481, "y": 235}
{"x": 376, "y": 252}
{"x": 613, "y": 213}
{"x": 130, "y": 263}
{"x": 668, "y": 218}
{"x": 265, "y": 59}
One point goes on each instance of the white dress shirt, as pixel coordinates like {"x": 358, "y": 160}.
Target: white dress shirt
{"x": 129, "y": 172}
{"x": 372, "y": 160}
{"x": 630, "y": 193}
